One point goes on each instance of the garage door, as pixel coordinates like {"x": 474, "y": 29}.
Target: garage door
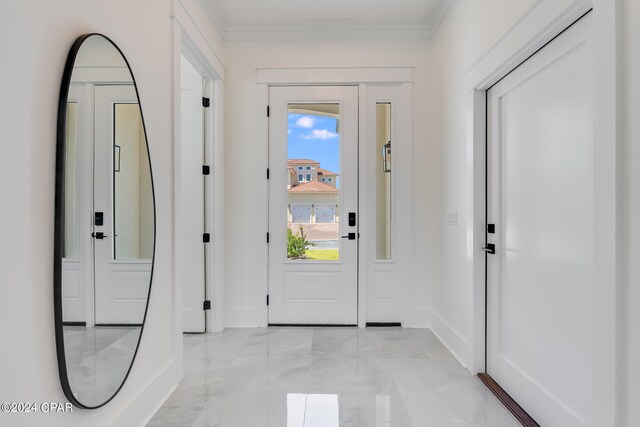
{"x": 301, "y": 214}
{"x": 325, "y": 213}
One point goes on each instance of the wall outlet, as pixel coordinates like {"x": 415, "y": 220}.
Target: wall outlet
{"x": 453, "y": 219}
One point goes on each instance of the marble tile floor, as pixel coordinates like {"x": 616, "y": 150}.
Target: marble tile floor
{"x": 98, "y": 359}
{"x": 327, "y": 377}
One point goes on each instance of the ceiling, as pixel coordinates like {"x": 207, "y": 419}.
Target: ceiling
{"x": 326, "y": 19}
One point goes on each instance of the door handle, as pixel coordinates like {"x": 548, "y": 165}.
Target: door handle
{"x": 490, "y": 248}
{"x": 99, "y": 235}
{"x": 350, "y": 236}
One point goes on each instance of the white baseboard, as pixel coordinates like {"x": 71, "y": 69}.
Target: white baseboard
{"x": 453, "y": 340}
{"x": 245, "y": 318}
{"x": 151, "y": 398}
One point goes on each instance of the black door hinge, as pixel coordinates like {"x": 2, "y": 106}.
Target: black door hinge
{"x": 267, "y": 299}
{"x": 206, "y": 170}
{"x": 206, "y": 237}
{"x": 206, "y": 102}
{"x": 268, "y": 111}
{"x": 267, "y": 173}
{"x": 206, "y": 305}
{"x": 267, "y": 237}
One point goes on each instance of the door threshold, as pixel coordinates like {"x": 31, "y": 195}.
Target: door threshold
{"x": 513, "y": 407}
{"x": 383, "y": 324}
{"x": 310, "y": 325}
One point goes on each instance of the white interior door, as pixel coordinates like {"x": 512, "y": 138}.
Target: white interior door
{"x": 122, "y": 192}
{"x": 77, "y": 259}
{"x": 191, "y": 204}
{"x": 311, "y": 128}
{"x": 540, "y": 197}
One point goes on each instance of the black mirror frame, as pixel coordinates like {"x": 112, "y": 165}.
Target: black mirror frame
{"x": 58, "y": 224}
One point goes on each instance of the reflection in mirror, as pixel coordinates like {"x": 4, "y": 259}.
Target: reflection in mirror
{"x": 384, "y": 173}
{"x": 70, "y": 248}
{"x": 105, "y": 223}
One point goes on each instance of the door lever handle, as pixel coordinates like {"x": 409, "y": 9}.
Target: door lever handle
{"x": 99, "y": 235}
{"x": 490, "y": 248}
{"x": 350, "y": 236}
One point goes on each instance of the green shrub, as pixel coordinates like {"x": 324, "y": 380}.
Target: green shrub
{"x": 297, "y": 244}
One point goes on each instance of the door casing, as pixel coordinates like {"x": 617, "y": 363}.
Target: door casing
{"x": 369, "y": 81}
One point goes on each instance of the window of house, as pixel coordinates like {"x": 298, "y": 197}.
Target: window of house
{"x": 323, "y": 180}
{"x": 299, "y": 177}
{"x": 308, "y": 177}
{"x": 299, "y": 168}
{"x": 329, "y": 179}
{"x": 308, "y": 168}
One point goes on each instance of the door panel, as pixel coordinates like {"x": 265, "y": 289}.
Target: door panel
{"x": 312, "y": 131}
{"x": 540, "y": 198}
{"x": 192, "y": 254}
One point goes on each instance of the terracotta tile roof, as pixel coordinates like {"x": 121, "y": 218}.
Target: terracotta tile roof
{"x": 313, "y": 187}
{"x": 326, "y": 172}
{"x": 302, "y": 162}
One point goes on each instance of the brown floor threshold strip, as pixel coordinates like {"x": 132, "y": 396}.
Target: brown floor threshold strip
{"x": 513, "y": 407}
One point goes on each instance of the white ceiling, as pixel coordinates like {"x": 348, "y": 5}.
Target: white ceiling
{"x": 326, "y": 19}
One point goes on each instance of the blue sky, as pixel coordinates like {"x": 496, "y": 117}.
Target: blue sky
{"x": 314, "y": 137}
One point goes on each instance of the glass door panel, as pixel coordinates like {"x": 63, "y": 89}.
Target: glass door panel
{"x": 313, "y": 187}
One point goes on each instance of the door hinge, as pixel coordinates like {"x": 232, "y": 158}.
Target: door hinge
{"x": 267, "y": 173}
{"x": 206, "y": 170}
{"x": 268, "y": 111}
{"x": 206, "y": 102}
{"x": 267, "y": 237}
{"x": 206, "y": 305}
{"x": 206, "y": 238}
{"x": 267, "y": 299}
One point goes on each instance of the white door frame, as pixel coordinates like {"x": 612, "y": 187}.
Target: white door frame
{"x": 189, "y": 40}
{"x": 541, "y": 24}
{"x": 365, "y": 79}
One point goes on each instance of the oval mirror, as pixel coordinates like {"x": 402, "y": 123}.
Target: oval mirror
{"x": 104, "y": 222}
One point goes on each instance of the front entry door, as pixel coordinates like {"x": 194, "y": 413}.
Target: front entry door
{"x": 313, "y": 200}
{"x": 540, "y": 304}
{"x": 123, "y": 208}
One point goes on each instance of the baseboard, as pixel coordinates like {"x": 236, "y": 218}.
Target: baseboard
{"x": 151, "y": 398}
{"x": 245, "y": 318}
{"x": 453, "y": 340}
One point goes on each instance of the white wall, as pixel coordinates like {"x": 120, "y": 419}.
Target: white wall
{"x": 629, "y": 229}
{"x": 246, "y": 163}
{"x": 36, "y": 37}
{"x": 463, "y": 38}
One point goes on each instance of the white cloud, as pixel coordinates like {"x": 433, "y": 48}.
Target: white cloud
{"x": 321, "y": 134}
{"x": 305, "y": 122}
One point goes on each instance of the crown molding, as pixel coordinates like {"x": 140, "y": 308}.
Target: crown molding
{"x": 348, "y": 29}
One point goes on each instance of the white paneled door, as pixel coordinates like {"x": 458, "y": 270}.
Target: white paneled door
{"x": 122, "y": 192}
{"x": 312, "y": 262}
{"x": 191, "y": 204}
{"x": 540, "y": 308}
